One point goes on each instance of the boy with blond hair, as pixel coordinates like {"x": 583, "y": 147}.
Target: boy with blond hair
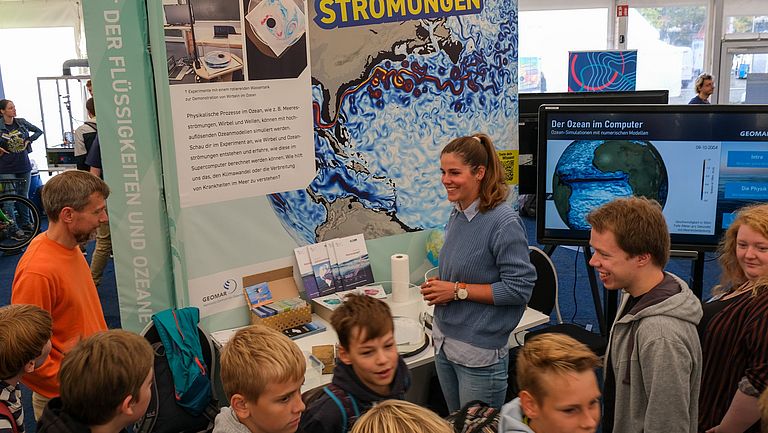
{"x": 106, "y": 385}
{"x": 262, "y": 372}
{"x": 25, "y": 342}
{"x": 370, "y": 369}
{"x": 558, "y": 388}
{"x": 399, "y": 416}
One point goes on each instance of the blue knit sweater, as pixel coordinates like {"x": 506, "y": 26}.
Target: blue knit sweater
{"x": 490, "y": 249}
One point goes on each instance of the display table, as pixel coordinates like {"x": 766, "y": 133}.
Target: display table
{"x": 530, "y": 319}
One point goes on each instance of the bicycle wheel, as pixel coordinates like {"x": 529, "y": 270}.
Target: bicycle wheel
{"x": 12, "y": 236}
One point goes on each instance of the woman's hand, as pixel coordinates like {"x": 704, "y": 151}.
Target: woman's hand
{"x": 437, "y": 292}
{"x": 3, "y": 151}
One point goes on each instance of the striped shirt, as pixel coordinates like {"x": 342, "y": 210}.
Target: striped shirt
{"x": 735, "y": 349}
{"x": 10, "y": 396}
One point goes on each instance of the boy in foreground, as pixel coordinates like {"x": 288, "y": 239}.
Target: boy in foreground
{"x": 370, "y": 369}
{"x": 106, "y": 384}
{"x": 25, "y": 342}
{"x": 558, "y": 388}
{"x": 262, "y": 372}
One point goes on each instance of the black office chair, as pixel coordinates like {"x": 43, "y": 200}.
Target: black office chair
{"x": 544, "y": 299}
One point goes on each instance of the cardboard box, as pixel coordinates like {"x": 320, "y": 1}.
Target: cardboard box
{"x": 283, "y": 286}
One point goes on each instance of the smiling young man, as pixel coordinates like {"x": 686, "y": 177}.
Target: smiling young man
{"x": 370, "y": 370}
{"x": 262, "y": 372}
{"x": 54, "y": 275}
{"x": 558, "y": 388}
{"x": 653, "y": 362}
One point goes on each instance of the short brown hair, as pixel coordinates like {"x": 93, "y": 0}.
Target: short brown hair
{"x": 101, "y": 371}
{"x": 400, "y": 416}
{"x": 547, "y": 354}
{"x": 756, "y": 218}
{"x": 257, "y": 356}
{"x": 478, "y": 151}
{"x": 638, "y": 225}
{"x": 72, "y": 188}
{"x": 24, "y": 331}
{"x": 372, "y": 317}
{"x": 90, "y": 106}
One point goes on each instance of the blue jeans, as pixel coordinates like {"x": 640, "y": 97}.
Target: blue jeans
{"x": 23, "y": 190}
{"x": 461, "y": 384}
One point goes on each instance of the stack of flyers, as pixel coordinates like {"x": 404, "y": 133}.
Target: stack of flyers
{"x": 257, "y": 294}
{"x": 374, "y": 290}
{"x": 334, "y": 266}
{"x": 330, "y": 302}
{"x": 304, "y": 330}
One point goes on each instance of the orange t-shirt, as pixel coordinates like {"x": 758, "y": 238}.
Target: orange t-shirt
{"x": 58, "y": 280}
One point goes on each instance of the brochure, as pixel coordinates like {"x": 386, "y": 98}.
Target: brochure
{"x": 307, "y": 275}
{"x": 321, "y": 267}
{"x": 354, "y": 264}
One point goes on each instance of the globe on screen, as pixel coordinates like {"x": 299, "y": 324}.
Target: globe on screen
{"x": 591, "y": 173}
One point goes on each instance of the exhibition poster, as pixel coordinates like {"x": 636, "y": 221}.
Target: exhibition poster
{"x": 284, "y": 123}
{"x": 602, "y": 71}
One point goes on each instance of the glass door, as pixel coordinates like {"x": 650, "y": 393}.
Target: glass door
{"x": 743, "y": 73}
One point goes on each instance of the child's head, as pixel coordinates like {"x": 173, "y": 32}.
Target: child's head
{"x": 558, "y": 386}
{"x": 367, "y": 340}
{"x": 399, "y": 416}
{"x": 107, "y": 378}
{"x": 25, "y": 339}
{"x": 262, "y": 372}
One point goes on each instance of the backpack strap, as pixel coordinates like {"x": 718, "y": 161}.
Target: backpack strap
{"x": 6, "y": 413}
{"x": 350, "y": 410}
{"x": 92, "y": 125}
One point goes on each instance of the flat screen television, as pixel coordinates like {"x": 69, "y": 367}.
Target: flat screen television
{"x": 528, "y": 125}
{"x": 701, "y": 163}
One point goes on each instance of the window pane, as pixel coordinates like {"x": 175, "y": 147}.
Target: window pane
{"x": 746, "y": 24}
{"x": 545, "y": 39}
{"x": 51, "y": 47}
{"x": 670, "y": 48}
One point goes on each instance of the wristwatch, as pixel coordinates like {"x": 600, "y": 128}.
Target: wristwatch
{"x": 460, "y": 291}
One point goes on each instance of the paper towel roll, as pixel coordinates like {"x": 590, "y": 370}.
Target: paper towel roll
{"x": 400, "y": 278}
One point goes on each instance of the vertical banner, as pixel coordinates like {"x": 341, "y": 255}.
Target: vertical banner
{"x": 288, "y": 122}
{"x": 116, "y": 36}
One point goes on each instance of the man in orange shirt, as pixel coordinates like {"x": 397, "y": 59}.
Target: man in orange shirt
{"x": 54, "y": 275}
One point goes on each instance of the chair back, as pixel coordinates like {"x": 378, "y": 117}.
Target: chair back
{"x": 544, "y": 296}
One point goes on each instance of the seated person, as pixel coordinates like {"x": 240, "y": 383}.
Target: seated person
{"x": 106, "y": 385}
{"x": 400, "y": 416}
{"x": 370, "y": 369}
{"x": 262, "y": 372}
{"x": 25, "y": 342}
{"x": 558, "y": 388}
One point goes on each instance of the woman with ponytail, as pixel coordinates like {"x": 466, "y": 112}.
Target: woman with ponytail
{"x": 485, "y": 277}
